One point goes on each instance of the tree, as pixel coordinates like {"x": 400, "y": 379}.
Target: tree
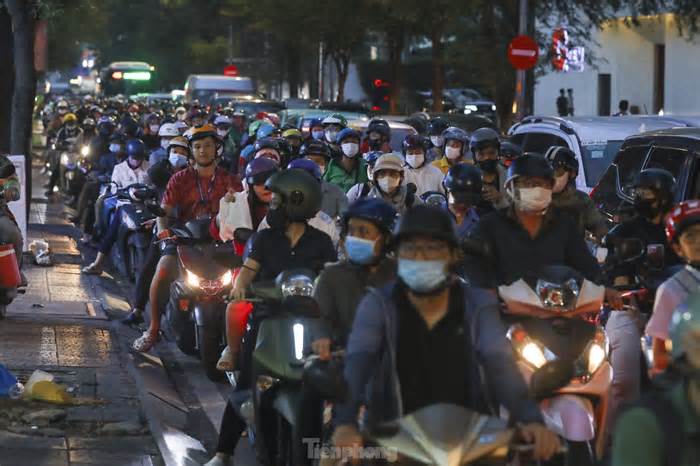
{"x": 7, "y": 77}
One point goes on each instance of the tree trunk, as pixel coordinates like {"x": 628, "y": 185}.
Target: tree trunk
{"x": 437, "y": 62}
{"x": 395, "y": 39}
{"x": 342, "y": 66}
{"x": 22, "y": 14}
{"x": 6, "y": 79}
{"x": 293, "y": 69}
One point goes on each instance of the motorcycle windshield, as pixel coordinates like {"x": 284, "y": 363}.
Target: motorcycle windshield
{"x": 199, "y": 258}
{"x": 566, "y": 338}
{"x": 445, "y": 434}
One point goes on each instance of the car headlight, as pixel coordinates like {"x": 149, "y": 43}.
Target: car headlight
{"x": 85, "y": 151}
{"x": 64, "y": 158}
{"x": 471, "y": 108}
{"x": 533, "y": 354}
{"x": 297, "y": 285}
{"x": 192, "y": 280}
{"x": 493, "y": 107}
{"x": 226, "y": 278}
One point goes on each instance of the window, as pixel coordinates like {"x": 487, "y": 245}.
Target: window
{"x": 629, "y": 163}
{"x": 538, "y": 142}
{"x": 625, "y": 167}
{"x": 668, "y": 159}
{"x": 596, "y": 158}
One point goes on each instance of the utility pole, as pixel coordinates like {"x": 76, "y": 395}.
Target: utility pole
{"x": 230, "y": 44}
{"x": 320, "y": 71}
{"x": 520, "y": 83}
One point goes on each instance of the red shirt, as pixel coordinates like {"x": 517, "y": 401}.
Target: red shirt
{"x": 190, "y": 200}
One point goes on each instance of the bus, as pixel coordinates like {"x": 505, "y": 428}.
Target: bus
{"x": 127, "y": 78}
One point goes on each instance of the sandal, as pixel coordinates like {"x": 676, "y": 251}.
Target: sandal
{"x": 144, "y": 343}
{"x": 92, "y": 269}
{"x": 135, "y": 317}
{"x": 227, "y": 361}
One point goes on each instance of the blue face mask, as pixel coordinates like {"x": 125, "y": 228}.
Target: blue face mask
{"x": 360, "y": 251}
{"x": 423, "y": 276}
{"x": 318, "y": 135}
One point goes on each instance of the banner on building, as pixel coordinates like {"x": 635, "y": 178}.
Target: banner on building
{"x": 565, "y": 56}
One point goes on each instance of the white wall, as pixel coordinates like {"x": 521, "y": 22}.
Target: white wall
{"x": 682, "y": 74}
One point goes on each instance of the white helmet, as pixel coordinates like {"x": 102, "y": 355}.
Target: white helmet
{"x": 168, "y": 130}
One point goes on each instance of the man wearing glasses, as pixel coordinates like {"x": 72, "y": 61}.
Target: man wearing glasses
{"x": 427, "y": 337}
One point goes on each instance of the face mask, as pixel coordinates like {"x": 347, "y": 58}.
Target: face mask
{"x": 488, "y": 165}
{"x": 437, "y": 141}
{"x": 154, "y": 128}
{"x": 360, "y": 251}
{"x": 62, "y": 111}
{"x": 423, "y": 277}
{"x": 645, "y": 207}
{"x": 164, "y": 143}
{"x": 222, "y": 132}
{"x": 330, "y": 136}
{"x": 560, "y": 183}
{"x": 533, "y": 199}
{"x": 350, "y": 149}
{"x": 277, "y": 218}
{"x": 177, "y": 160}
{"x": 453, "y": 153}
{"x": 318, "y": 135}
{"x": 114, "y": 148}
{"x": 375, "y": 144}
{"x": 388, "y": 183}
{"x": 181, "y": 116}
{"x": 415, "y": 160}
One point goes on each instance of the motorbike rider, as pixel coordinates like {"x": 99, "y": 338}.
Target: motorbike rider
{"x": 133, "y": 170}
{"x": 9, "y": 192}
{"x": 409, "y": 334}
{"x": 436, "y": 127}
{"x": 425, "y": 176}
{"x": 485, "y": 146}
{"x": 509, "y": 152}
{"x": 316, "y": 151}
{"x": 88, "y": 133}
{"x": 229, "y": 156}
{"x": 178, "y": 153}
{"x": 378, "y": 136}
{"x": 166, "y": 132}
{"x": 333, "y": 202}
{"x": 192, "y": 193}
{"x": 268, "y": 147}
{"x": 235, "y": 134}
{"x": 663, "y": 428}
{"x": 100, "y": 144}
{"x": 150, "y": 132}
{"x": 333, "y": 124}
{"x": 365, "y": 239}
{"x": 316, "y": 131}
{"x": 683, "y": 234}
{"x": 56, "y": 123}
{"x": 348, "y": 169}
{"x": 567, "y": 198}
{"x": 463, "y": 185}
{"x": 455, "y": 142}
{"x": 66, "y": 137}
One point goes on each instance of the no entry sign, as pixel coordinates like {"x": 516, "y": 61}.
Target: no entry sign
{"x": 231, "y": 70}
{"x": 523, "y": 52}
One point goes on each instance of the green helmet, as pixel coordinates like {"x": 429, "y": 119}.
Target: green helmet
{"x": 335, "y": 119}
{"x": 300, "y": 193}
{"x": 254, "y": 126}
{"x": 685, "y": 318}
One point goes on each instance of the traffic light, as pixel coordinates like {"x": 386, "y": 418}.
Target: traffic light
{"x": 381, "y": 94}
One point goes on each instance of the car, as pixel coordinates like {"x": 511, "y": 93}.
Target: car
{"x": 301, "y": 117}
{"x": 676, "y": 150}
{"x": 202, "y": 87}
{"x": 398, "y": 131}
{"x": 250, "y": 104}
{"x": 471, "y": 102}
{"x": 594, "y": 140}
{"x": 468, "y": 122}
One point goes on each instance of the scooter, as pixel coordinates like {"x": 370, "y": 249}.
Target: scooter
{"x": 74, "y": 171}
{"x": 553, "y": 318}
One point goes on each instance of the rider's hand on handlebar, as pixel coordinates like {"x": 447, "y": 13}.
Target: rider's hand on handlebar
{"x": 237, "y": 294}
{"x": 546, "y": 442}
{"x": 322, "y": 347}
{"x": 163, "y": 234}
{"x": 614, "y": 298}
{"x": 347, "y": 436}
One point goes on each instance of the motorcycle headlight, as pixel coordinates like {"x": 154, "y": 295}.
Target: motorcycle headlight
{"x": 298, "y": 330}
{"x": 226, "y": 278}
{"x": 192, "y": 280}
{"x": 64, "y": 158}
{"x": 533, "y": 354}
{"x": 597, "y": 351}
{"x": 85, "y": 151}
{"x": 297, "y": 285}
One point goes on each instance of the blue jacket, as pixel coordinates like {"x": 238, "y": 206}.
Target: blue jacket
{"x": 370, "y": 360}
{"x": 157, "y": 155}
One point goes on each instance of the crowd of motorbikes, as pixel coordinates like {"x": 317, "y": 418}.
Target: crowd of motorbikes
{"x": 556, "y": 328}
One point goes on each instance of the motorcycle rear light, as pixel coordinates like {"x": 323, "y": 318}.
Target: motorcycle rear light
{"x": 517, "y": 334}
{"x": 184, "y": 304}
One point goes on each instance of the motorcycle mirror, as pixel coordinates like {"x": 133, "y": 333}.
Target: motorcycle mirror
{"x": 550, "y": 378}
{"x": 155, "y": 209}
{"x": 656, "y": 255}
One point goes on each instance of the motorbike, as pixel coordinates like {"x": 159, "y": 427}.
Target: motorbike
{"x": 196, "y": 311}
{"x": 74, "y": 171}
{"x": 553, "y": 317}
{"x": 280, "y": 415}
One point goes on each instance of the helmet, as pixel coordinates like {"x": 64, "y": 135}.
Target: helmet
{"x": 259, "y": 170}
{"x": 300, "y": 192}
{"x": 482, "y": 138}
{"x": 178, "y": 141}
{"x": 335, "y": 119}
{"x": 266, "y": 143}
{"x": 70, "y": 118}
{"x": 437, "y": 126}
{"x": 390, "y": 161}
{"x": 308, "y": 166}
{"x": 685, "y": 318}
{"x": 510, "y": 150}
{"x": 374, "y": 210}
{"x": 62, "y": 104}
{"x": 315, "y": 147}
{"x": 463, "y": 177}
{"x": 117, "y": 138}
{"x": 412, "y": 141}
{"x": 380, "y": 126}
{"x": 685, "y": 214}
{"x": 129, "y": 126}
{"x": 253, "y": 127}
{"x": 346, "y": 133}
{"x": 180, "y": 110}
{"x": 88, "y": 123}
{"x": 455, "y": 134}
{"x": 136, "y": 149}
{"x": 152, "y": 117}
{"x": 292, "y": 133}
{"x": 426, "y": 221}
{"x": 530, "y": 164}
{"x": 168, "y": 130}
{"x": 160, "y": 173}
{"x": 222, "y": 120}
{"x": 201, "y": 132}
{"x": 265, "y": 130}
{"x": 372, "y": 157}
{"x": 315, "y": 122}
{"x": 661, "y": 182}
{"x": 560, "y": 156}
{"x": 247, "y": 152}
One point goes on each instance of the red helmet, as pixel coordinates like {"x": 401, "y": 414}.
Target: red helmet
{"x": 682, "y": 216}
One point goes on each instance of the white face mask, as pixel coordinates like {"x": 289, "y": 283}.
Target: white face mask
{"x": 114, "y": 148}
{"x": 415, "y": 160}
{"x": 533, "y": 199}
{"x": 350, "y": 149}
{"x": 330, "y": 136}
{"x": 560, "y": 183}
{"x": 388, "y": 183}
{"x": 453, "y": 153}
{"x": 437, "y": 141}
{"x": 154, "y": 128}
{"x": 181, "y": 116}
{"x": 177, "y": 160}
{"x": 164, "y": 143}
{"x": 222, "y": 132}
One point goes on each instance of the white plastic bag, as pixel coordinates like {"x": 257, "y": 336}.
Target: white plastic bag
{"x": 233, "y": 215}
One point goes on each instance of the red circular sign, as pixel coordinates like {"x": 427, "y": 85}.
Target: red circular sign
{"x": 523, "y": 52}
{"x": 231, "y": 70}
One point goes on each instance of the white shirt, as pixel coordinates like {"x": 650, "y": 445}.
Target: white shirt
{"x": 426, "y": 178}
{"x": 322, "y": 221}
{"x": 123, "y": 175}
{"x": 671, "y": 294}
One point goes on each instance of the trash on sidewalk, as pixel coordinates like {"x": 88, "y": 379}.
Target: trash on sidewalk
{"x": 42, "y": 252}
{"x": 41, "y": 387}
{"x": 7, "y": 381}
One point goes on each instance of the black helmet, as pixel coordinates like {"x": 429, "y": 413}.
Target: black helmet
{"x": 464, "y": 182}
{"x": 531, "y": 164}
{"x": 560, "y": 156}
{"x": 482, "y": 138}
{"x": 266, "y": 143}
{"x": 300, "y": 193}
{"x": 136, "y": 149}
{"x": 160, "y": 173}
{"x": 426, "y": 221}
{"x": 259, "y": 170}
{"x": 412, "y": 141}
{"x": 380, "y": 126}
{"x": 374, "y": 210}
{"x": 661, "y": 182}
{"x": 315, "y": 147}
{"x": 437, "y": 125}
{"x": 511, "y": 150}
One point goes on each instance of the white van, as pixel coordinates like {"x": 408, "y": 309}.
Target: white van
{"x": 203, "y": 87}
